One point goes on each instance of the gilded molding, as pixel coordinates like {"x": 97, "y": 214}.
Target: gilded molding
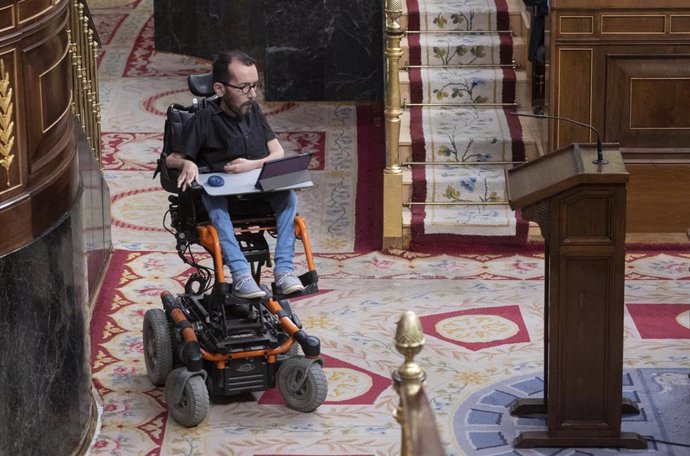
{"x": 6, "y": 122}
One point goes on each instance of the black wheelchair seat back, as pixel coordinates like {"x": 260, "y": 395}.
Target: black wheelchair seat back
{"x": 200, "y": 85}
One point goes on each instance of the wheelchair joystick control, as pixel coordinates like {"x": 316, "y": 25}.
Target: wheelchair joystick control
{"x": 216, "y": 181}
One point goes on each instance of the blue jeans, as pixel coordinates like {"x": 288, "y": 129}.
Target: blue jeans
{"x": 284, "y": 204}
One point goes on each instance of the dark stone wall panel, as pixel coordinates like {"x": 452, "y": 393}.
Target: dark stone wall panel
{"x": 324, "y": 50}
{"x": 45, "y": 379}
{"x": 308, "y": 50}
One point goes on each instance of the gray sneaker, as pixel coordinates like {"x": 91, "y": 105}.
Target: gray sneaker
{"x": 244, "y": 286}
{"x": 287, "y": 283}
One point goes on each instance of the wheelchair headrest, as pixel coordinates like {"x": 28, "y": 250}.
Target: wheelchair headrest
{"x": 201, "y": 85}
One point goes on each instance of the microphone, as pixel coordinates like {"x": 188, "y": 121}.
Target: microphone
{"x": 600, "y": 155}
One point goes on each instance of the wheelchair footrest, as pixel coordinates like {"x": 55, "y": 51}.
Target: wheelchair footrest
{"x": 309, "y": 279}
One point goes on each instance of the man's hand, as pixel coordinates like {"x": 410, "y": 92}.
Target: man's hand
{"x": 241, "y": 165}
{"x": 189, "y": 173}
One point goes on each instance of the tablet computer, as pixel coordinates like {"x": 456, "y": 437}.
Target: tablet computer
{"x": 284, "y": 172}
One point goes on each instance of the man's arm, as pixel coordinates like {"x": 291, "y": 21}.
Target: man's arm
{"x": 241, "y": 165}
{"x": 189, "y": 172}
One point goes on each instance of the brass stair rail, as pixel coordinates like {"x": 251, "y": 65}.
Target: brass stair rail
{"x": 458, "y": 32}
{"x": 420, "y": 436}
{"x": 455, "y": 203}
{"x": 479, "y": 105}
{"x": 513, "y": 65}
{"x": 460, "y": 163}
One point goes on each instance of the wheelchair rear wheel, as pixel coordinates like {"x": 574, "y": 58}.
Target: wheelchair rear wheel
{"x": 158, "y": 350}
{"x": 303, "y": 386}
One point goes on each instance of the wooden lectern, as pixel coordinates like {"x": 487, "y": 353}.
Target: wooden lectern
{"x": 580, "y": 208}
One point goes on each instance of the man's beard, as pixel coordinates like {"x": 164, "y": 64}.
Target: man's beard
{"x": 243, "y": 109}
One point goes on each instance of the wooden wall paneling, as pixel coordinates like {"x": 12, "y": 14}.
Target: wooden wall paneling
{"x": 44, "y": 176}
{"x": 30, "y": 9}
{"x": 48, "y": 78}
{"x": 639, "y": 96}
{"x": 574, "y": 71}
{"x": 648, "y": 99}
{"x": 658, "y": 197}
{"x": 679, "y": 24}
{"x": 7, "y": 18}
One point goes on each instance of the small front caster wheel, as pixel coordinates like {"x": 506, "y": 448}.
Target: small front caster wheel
{"x": 302, "y": 384}
{"x": 190, "y": 408}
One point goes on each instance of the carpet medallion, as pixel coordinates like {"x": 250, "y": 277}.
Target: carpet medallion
{"x": 484, "y": 427}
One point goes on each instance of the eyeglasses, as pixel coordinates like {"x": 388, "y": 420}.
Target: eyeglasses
{"x": 245, "y": 88}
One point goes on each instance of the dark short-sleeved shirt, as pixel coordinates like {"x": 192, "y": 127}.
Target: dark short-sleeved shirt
{"x": 211, "y": 138}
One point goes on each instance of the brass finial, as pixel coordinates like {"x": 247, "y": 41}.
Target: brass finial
{"x": 409, "y": 341}
{"x": 394, "y": 10}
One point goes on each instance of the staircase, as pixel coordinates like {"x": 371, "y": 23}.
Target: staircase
{"x": 463, "y": 70}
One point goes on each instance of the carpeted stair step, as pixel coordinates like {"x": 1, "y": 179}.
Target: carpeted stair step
{"x": 467, "y": 85}
{"x": 463, "y": 184}
{"x": 465, "y": 49}
{"x": 483, "y": 12}
{"x": 470, "y": 220}
{"x": 533, "y": 148}
{"x": 466, "y": 134}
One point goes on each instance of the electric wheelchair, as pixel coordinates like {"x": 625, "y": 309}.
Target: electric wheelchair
{"x": 206, "y": 342}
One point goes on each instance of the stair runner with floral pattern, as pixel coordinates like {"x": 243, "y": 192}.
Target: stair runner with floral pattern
{"x": 462, "y": 90}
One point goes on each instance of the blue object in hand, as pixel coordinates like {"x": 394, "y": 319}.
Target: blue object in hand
{"x": 216, "y": 181}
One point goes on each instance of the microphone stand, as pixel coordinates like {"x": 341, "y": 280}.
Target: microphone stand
{"x": 600, "y": 153}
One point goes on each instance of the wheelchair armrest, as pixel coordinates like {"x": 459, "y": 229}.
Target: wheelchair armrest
{"x": 169, "y": 179}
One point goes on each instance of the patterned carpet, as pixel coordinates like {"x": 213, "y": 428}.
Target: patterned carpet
{"x": 482, "y": 313}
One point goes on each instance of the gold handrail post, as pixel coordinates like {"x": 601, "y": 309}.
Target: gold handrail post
{"x": 409, "y": 378}
{"x": 392, "y": 175}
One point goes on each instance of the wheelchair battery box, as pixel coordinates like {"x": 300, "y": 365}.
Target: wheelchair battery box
{"x": 241, "y": 376}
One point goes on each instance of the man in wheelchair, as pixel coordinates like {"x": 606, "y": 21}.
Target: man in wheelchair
{"x": 231, "y": 134}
